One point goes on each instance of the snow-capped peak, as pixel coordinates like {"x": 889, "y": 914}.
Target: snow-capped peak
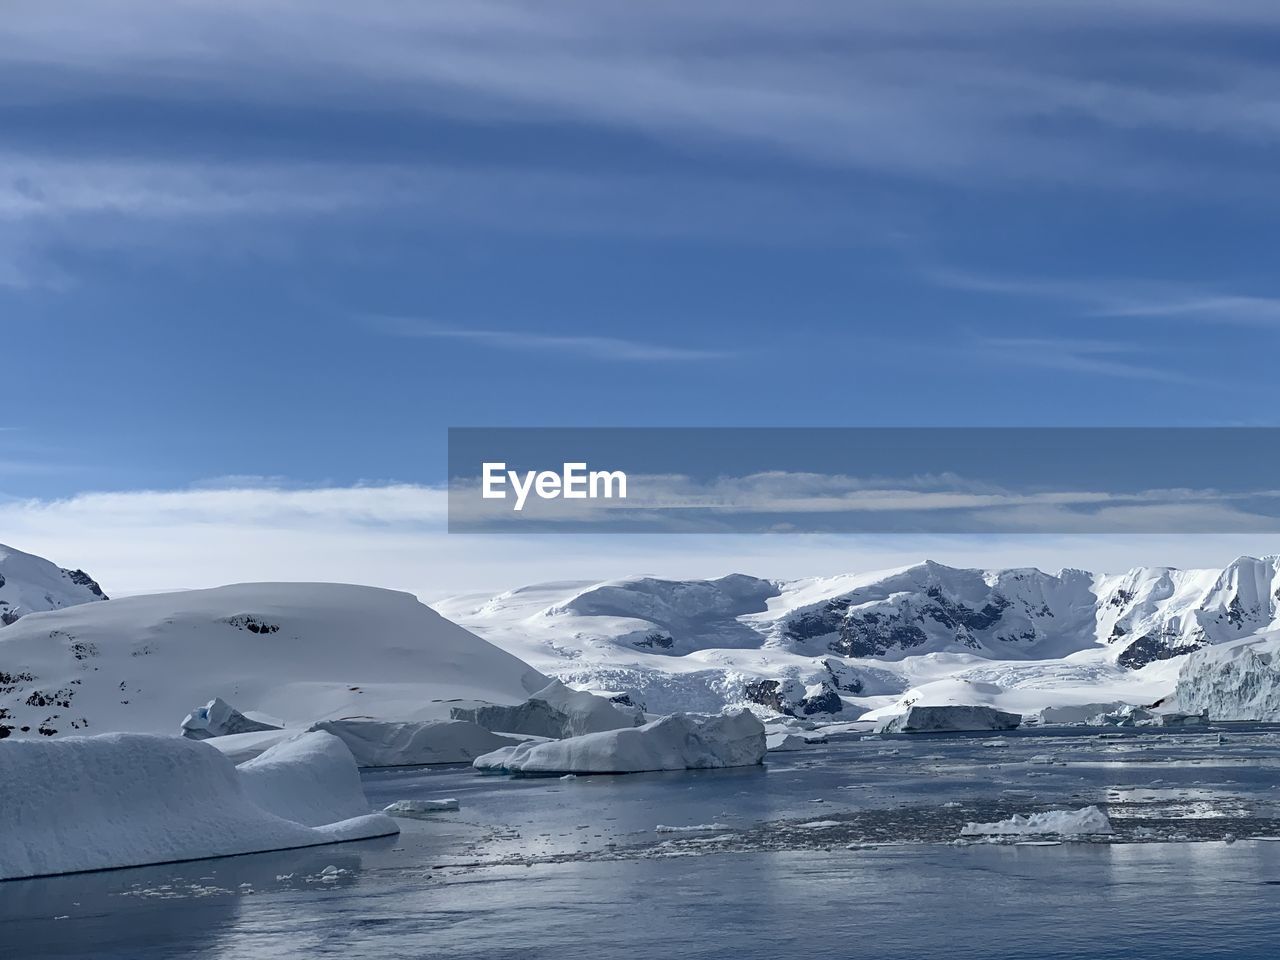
{"x": 29, "y": 584}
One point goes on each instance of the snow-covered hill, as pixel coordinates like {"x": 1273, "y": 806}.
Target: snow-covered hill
{"x": 29, "y": 584}
{"x": 805, "y": 645}
{"x": 296, "y": 652}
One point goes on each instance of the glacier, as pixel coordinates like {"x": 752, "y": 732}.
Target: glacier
{"x": 1234, "y": 681}
{"x": 851, "y": 645}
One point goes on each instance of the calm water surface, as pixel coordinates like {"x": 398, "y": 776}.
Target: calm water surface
{"x": 843, "y": 850}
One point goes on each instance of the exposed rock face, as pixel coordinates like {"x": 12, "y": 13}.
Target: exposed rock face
{"x": 924, "y": 719}
{"x": 931, "y": 607}
{"x": 1159, "y": 613}
{"x": 793, "y": 698}
{"x": 31, "y": 584}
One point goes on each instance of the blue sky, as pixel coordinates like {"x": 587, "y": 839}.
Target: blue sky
{"x": 298, "y": 241}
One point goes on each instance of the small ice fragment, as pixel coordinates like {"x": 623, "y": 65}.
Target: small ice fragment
{"x": 417, "y": 809}
{"x": 1089, "y": 820}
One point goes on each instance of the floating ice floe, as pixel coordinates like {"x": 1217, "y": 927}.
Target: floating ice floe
{"x": 1087, "y": 821}
{"x": 119, "y": 800}
{"x": 676, "y": 742}
{"x": 692, "y": 828}
{"x": 948, "y": 717}
{"x": 783, "y": 742}
{"x": 421, "y": 809}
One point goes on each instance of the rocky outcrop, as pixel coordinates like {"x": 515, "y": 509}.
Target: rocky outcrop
{"x": 793, "y": 698}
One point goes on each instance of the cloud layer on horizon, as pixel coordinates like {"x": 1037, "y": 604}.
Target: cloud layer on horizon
{"x": 394, "y": 536}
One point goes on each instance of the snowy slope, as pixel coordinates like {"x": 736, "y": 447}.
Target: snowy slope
{"x": 29, "y": 583}
{"x": 859, "y": 641}
{"x": 301, "y": 652}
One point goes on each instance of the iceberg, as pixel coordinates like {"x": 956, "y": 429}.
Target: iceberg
{"x": 120, "y": 800}
{"x": 923, "y": 719}
{"x": 784, "y": 742}
{"x": 380, "y": 743}
{"x": 555, "y": 711}
{"x": 1085, "y": 713}
{"x": 676, "y": 742}
{"x": 1233, "y": 681}
{"x": 311, "y": 779}
{"x": 217, "y": 718}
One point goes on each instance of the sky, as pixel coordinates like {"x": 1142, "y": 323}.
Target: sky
{"x": 253, "y": 251}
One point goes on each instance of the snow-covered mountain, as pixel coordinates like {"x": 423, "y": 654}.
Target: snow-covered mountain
{"x": 803, "y": 645}
{"x": 29, "y": 584}
{"x": 294, "y": 652}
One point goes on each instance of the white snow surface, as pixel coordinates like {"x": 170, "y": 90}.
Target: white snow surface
{"x": 117, "y": 800}
{"x": 301, "y": 652}
{"x": 1044, "y": 640}
{"x": 1234, "y": 681}
{"x": 1086, "y": 821}
{"x": 29, "y": 584}
{"x": 675, "y": 742}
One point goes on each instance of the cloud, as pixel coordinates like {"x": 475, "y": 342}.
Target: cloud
{"x": 1118, "y": 299}
{"x": 1055, "y": 91}
{"x": 593, "y": 347}
{"x": 1103, "y": 358}
{"x": 836, "y": 503}
{"x": 393, "y": 536}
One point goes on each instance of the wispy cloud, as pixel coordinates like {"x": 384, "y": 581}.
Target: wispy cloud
{"x": 593, "y": 347}
{"x": 1052, "y": 91}
{"x": 1104, "y": 358}
{"x": 1121, "y": 298}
